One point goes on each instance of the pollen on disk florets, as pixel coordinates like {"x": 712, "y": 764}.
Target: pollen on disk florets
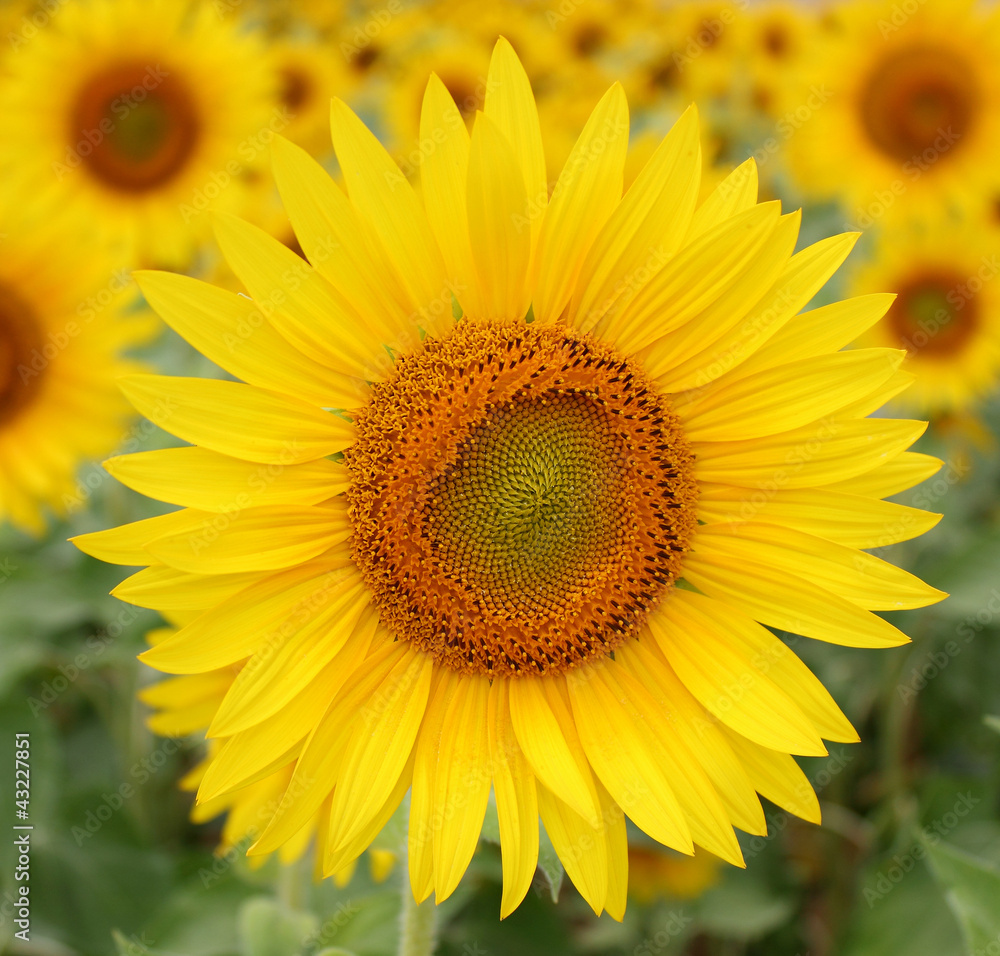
{"x": 521, "y": 497}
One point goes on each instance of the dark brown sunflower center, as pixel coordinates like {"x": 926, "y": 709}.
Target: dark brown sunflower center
{"x": 918, "y": 99}
{"x": 935, "y": 314}
{"x": 590, "y": 39}
{"x": 776, "y": 41}
{"x": 21, "y": 357}
{"x": 296, "y": 89}
{"x": 134, "y": 126}
{"x": 521, "y": 498}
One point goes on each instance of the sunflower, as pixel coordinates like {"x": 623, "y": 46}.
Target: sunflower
{"x": 911, "y": 100}
{"x": 186, "y": 705}
{"x": 61, "y": 343}
{"x": 692, "y": 51}
{"x": 947, "y": 311}
{"x": 310, "y": 72}
{"x": 125, "y": 120}
{"x": 655, "y": 873}
{"x": 531, "y": 548}
{"x": 774, "y": 37}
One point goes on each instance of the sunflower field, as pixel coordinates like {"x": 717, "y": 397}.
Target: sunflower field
{"x": 486, "y": 478}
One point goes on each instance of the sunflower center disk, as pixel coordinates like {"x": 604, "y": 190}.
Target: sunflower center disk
{"x": 917, "y": 100}
{"x": 520, "y": 499}
{"x": 134, "y": 127}
{"x": 929, "y": 316}
{"x": 20, "y": 354}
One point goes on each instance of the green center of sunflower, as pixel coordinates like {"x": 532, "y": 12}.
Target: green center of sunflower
{"x": 520, "y": 498}
{"x": 20, "y": 354}
{"x": 920, "y": 98}
{"x": 934, "y": 314}
{"x": 134, "y": 127}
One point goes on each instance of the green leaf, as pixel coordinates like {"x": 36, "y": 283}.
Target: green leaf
{"x": 971, "y": 582}
{"x": 972, "y": 889}
{"x": 993, "y": 722}
{"x": 549, "y": 864}
{"x": 133, "y": 945}
{"x": 744, "y": 908}
{"x": 907, "y": 915}
{"x": 267, "y": 928}
{"x": 335, "y": 951}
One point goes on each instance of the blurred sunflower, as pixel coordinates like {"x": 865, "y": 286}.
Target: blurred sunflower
{"x": 774, "y": 37}
{"x": 61, "y": 344}
{"x": 911, "y": 100}
{"x": 310, "y": 72}
{"x": 126, "y": 119}
{"x": 460, "y": 64}
{"x": 947, "y": 311}
{"x": 693, "y": 51}
{"x": 656, "y": 874}
{"x": 424, "y": 536}
{"x": 186, "y": 705}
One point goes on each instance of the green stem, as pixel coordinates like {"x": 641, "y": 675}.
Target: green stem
{"x": 292, "y": 886}
{"x": 417, "y": 922}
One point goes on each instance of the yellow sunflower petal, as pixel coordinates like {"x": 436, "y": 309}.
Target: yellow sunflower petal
{"x": 698, "y": 731}
{"x": 198, "y": 478}
{"x": 806, "y": 273}
{"x": 645, "y": 229}
{"x": 735, "y": 194}
{"x": 891, "y": 477}
{"x": 778, "y": 777}
{"x": 701, "y": 649}
{"x": 495, "y": 199}
{"x": 330, "y": 231}
{"x": 856, "y": 521}
{"x": 730, "y": 308}
{"x": 252, "y": 753}
{"x": 857, "y": 576}
{"x": 616, "y": 850}
{"x": 462, "y": 782}
{"x": 588, "y": 189}
{"x": 785, "y": 397}
{"x": 752, "y": 661}
{"x": 293, "y": 655}
{"x": 424, "y": 819}
{"x": 695, "y": 278}
{"x": 822, "y": 330}
{"x": 334, "y": 860}
{"x": 297, "y": 301}
{"x": 127, "y": 544}
{"x": 626, "y": 754}
{"x": 443, "y": 177}
{"x": 318, "y": 767}
{"x": 385, "y": 200}
{"x": 381, "y": 746}
{"x": 238, "y": 626}
{"x": 789, "y": 602}
{"x": 234, "y": 332}
{"x": 580, "y": 846}
{"x": 510, "y": 104}
{"x": 245, "y": 541}
{"x": 540, "y": 733}
{"x": 167, "y": 589}
{"x": 238, "y": 420}
{"x": 517, "y": 801}
{"x": 820, "y": 454}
